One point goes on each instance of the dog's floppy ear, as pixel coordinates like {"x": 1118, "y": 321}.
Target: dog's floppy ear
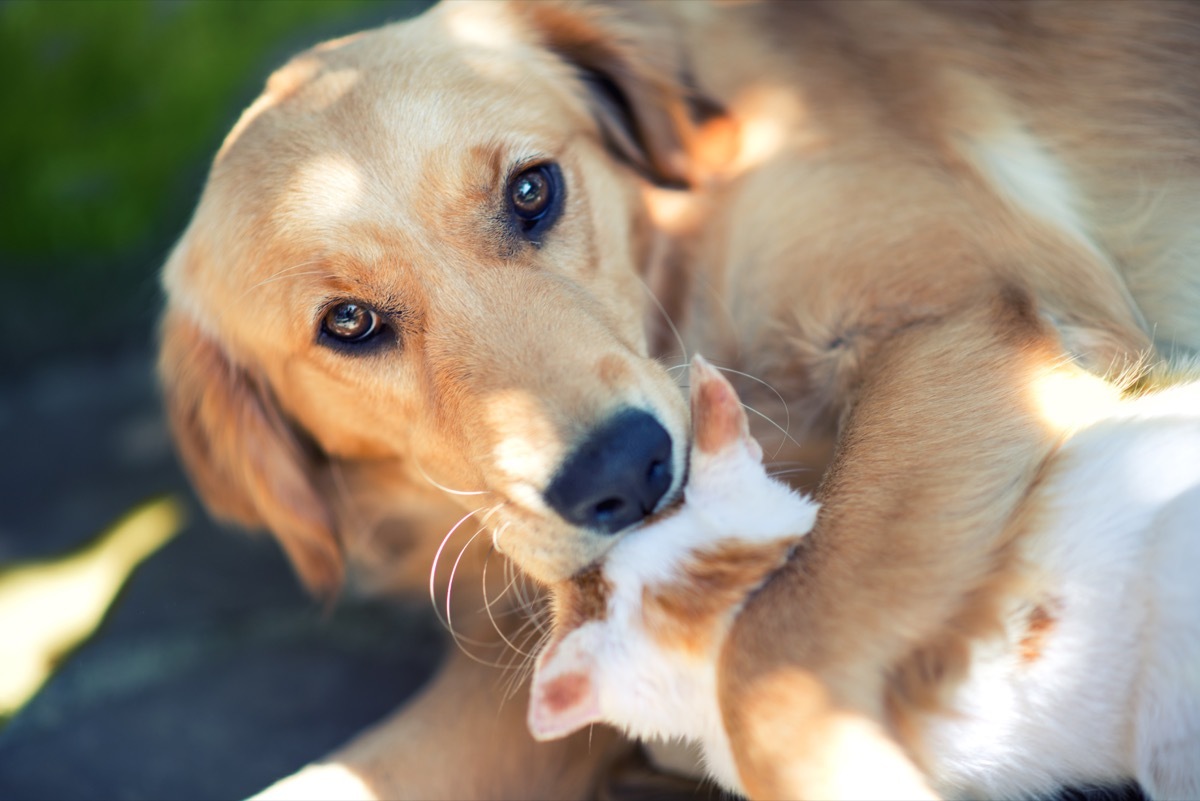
{"x": 241, "y": 454}
{"x": 635, "y": 97}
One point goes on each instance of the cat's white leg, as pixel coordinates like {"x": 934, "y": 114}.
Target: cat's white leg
{"x": 1167, "y": 719}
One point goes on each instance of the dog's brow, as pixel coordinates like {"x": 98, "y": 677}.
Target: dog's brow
{"x": 341, "y": 283}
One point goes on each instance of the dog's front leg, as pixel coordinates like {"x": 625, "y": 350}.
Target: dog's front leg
{"x": 460, "y": 738}
{"x": 794, "y": 739}
{"x": 829, "y": 667}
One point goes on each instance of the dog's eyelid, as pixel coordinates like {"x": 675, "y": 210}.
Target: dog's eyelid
{"x": 388, "y": 307}
{"x": 526, "y": 163}
{"x": 392, "y": 310}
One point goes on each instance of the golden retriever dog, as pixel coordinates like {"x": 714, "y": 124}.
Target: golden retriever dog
{"x": 440, "y": 271}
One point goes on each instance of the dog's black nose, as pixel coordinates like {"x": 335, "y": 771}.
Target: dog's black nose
{"x": 616, "y": 476}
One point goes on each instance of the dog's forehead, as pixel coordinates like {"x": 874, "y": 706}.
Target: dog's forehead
{"x": 413, "y": 91}
{"x": 404, "y": 129}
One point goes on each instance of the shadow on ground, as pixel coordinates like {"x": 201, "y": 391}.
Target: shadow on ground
{"x": 213, "y": 674}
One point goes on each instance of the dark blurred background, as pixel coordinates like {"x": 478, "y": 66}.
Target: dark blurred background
{"x": 112, "y": 110}
{"x": 204, "y": 672}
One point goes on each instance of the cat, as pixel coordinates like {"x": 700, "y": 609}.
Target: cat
{"x": 1093, "y": 677}
{"x": 636, "y": 638}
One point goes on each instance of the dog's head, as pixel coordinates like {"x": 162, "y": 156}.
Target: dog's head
{"x": 417, "y": 260}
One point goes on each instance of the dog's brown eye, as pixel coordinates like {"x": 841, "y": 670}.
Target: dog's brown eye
{"x": 535, "y": 196}
{"x": 530, "y": 193}
{"x": 350, "y": 322}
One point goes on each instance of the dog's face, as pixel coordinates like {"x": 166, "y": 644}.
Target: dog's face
{"x": 417, "y": 256}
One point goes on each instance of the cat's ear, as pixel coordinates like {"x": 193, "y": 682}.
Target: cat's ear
{"x": 718, "y": 419}
{"x": 564, "y": 694}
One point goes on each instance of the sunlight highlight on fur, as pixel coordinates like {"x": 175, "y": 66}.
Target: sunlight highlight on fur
{"x": 473, "y": 25}
{"x": 1070, "y": 400}
{"x": 772, "y": 118}
{"x": 319, "y": 782}
{"x": 329, "y": 184}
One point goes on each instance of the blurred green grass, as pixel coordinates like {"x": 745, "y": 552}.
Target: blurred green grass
{"x": 112, "y": 110}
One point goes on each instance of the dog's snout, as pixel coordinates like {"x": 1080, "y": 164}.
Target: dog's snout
{"x": 616, "y": 476}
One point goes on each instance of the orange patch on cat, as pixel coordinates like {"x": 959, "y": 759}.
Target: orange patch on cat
{"x": 1041, "y": 623}
{"x": 583, "y": 598}
{"x": 685, "y": 614}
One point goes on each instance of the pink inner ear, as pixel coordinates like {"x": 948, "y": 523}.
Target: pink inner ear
{"x": 563, "y": 698}
{"x": 718, "y": 419}
{"x": 562, "y": 706}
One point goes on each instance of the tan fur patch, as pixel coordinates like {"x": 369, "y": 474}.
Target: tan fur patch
{"x": 686, "y": 614}
{"x": 612, "y": 371}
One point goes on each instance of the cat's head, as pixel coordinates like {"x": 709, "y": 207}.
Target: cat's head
{"x": 636, "y": 636}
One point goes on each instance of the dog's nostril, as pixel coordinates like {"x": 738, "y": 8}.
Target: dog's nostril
{"x": 608, "y": 509}
{"x": 616, "y": 476}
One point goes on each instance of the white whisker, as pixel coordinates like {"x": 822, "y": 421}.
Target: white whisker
{"x": 280, "y": 277}
{"x": 459, "y": 640}
{"x": 781, "y": 429}
{"x": 515, "y": 609}
{"x": 354, "y": 514}
{"x": 786, "y": 428}
{"x": 487, "y": 605}
{"x": 286, "y": 272}
{"x": 433, "y": 570}
{"x": 444, "y": 488}
{"x": 449, "y": 617}
{"x": 791, "y": 472}
{"x": 670, "y": 323}
{"x": 453, "y": 571}
{"x": 520, "y": 673}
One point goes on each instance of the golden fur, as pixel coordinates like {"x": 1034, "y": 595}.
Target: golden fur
{"x": 900, "y": 220}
